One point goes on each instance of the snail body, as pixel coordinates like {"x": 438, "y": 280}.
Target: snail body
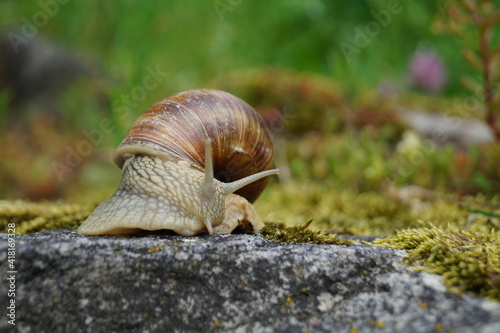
{"x": 192, "y": 163}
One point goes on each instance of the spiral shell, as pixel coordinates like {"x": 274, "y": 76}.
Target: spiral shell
{"x": 180, "y": 124}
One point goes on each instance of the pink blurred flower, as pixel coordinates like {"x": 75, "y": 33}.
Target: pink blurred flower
{"x": 427, "y": 71}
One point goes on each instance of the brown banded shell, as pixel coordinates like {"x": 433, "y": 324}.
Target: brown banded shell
{"x": 179, "y": 125}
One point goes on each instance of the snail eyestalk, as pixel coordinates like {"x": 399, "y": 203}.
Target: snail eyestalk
{"x": 208, "y": 188}
{"x": 237, "y": 184}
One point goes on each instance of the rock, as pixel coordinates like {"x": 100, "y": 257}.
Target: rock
{"x": 229, "y": 283}
{"x": 443, "y": 128}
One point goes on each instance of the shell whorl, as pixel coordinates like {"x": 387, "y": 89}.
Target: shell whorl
{"x": 179, "y": 125}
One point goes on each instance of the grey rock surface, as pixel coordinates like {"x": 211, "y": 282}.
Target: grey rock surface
{"x": 443, "y": 128}
{"x": 227, "y": 283}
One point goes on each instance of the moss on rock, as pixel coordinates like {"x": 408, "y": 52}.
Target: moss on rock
{"x": 30, "y": 217}
{"x": 371, "y": 213}
{"x": 467, "y": 261}
{"x": 300, "y": 234}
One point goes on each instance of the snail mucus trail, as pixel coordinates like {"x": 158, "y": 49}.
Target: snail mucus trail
{"x": 168, "y": 160}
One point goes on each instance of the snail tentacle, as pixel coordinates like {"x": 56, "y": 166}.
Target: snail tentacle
{"x": 237, "y": 184}
{"x": 207, "y": 188}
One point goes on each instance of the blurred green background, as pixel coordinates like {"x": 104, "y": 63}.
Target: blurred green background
{"x": 289, "y": 56}
{"x": 197, "y": 40}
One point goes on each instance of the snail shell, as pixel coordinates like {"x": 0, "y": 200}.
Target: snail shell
{"x": 179, "y": 124}
{"x": 192, "y": 163}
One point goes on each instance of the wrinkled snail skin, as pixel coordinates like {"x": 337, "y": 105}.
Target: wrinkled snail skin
{"x": 162, "y": 190}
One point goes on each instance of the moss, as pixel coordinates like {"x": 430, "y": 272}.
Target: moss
{"x": 468, "y": 261}
{"x": 341, "y": 210}
{"x": 30, "y": 217}
{"x": 299, "y": 234}
{"x": 279, "y": 232}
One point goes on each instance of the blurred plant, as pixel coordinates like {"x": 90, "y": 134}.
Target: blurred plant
{"x": 27, "y": 168}
{"x": 482, "y": 16}
{"x": 427, "y": 71}
{"x": 35, "y": 77}
{"x": 366, "y": 159}
{"x": 289, "y": 101}
{"x": 297, "y": 103}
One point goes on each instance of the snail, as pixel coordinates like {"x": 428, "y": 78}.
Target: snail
{"x": 192, "y": 163}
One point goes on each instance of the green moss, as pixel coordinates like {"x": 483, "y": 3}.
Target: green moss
{"x": 336, "y": 211}
{"x": 467, "y": 261}
{"x": 341, "y": 210}
{"x": 30, "y": 217}
{"x": 300, "y": 234}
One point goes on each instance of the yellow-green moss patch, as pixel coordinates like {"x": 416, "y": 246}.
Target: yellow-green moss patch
{"x": 467, "y": 261}
{"x": 300, "y": 234}
{"x": 341, "y": 210}
{"x": 30, "y": 217}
